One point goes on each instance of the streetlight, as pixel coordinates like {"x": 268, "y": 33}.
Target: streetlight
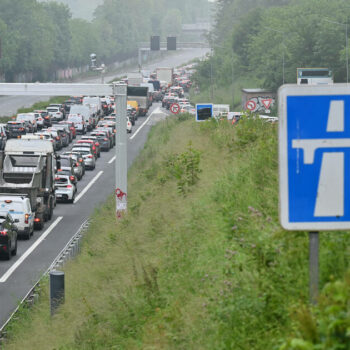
{"x": 101, "y": 69}
{"x": 283, "y": 53}
{"x": 346, "y": 44}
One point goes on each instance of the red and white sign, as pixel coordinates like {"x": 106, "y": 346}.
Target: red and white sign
{"x": 175, "y": 108}
{"x": 251, "y": 105}
{"x": 267, "y": 103}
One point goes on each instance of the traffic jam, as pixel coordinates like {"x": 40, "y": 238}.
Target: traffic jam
{"x": 46, "y": 153}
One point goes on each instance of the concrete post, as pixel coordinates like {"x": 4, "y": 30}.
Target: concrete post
{"x": 121, "y": 170}
{"x": 56, "y": 290}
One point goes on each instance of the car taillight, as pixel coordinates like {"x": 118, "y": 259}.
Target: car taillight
{"x": 57, "y": 138}
{"x": 97, "y": 144}
{"x": 72, "y": 178}
{"x": 3, "y": 233}
{"x": 46, "y": 117}
{"x": 105, "y": 139}
{"x": 69, "y": 186}
{"x": 37, "y": 220}
{"x": 26, "y": 218}
{"x": 76, "y": 164}
{"x": 80, "y": 160}
{"x": 40, "y": 119}
{"x": 21, "y": 129}
{"x": 93, "y": 147}
{"x": 114, "y": 130}
{"x": 90, "y": 156}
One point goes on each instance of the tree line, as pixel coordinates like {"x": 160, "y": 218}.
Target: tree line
{"x": 257, "y": 36}
{"x": 42, "y": 37}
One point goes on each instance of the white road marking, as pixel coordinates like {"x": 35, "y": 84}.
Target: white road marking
{"x": 157, "y": 110}
{"x": 88, "y": 187}
{"x": 112, "y": 160}
{"x": 12, "y": 269}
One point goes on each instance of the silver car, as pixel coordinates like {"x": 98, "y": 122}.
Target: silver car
{"x": 89, "y": 158}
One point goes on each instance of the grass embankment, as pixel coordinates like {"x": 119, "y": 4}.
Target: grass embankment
{"x": 222, "y": 93}
{"x": 199, "y": 262}
{"x": 36, "y": 106}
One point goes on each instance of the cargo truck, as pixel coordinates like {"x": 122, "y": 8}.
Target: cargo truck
{"x": 142, "y": 96}
{"x": 165, "y": 74}
{"x": 28, "y": 168}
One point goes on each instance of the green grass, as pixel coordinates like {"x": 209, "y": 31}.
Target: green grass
{"x": 223, "y": 94}
{"x": 206, "y": 268}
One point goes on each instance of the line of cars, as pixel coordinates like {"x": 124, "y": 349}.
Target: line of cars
{"x": 38, "y": 170}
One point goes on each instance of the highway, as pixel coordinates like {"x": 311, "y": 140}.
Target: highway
{"x": 33, "y": 258}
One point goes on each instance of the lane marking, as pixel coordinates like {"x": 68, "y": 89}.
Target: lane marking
{"x": 12, "y": 269}
{"x": 88, "y": 187}
{"x": 112, "y": 160}
{"x": 157, "y": 110}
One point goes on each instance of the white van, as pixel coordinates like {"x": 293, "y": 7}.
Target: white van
{"x": 19, "y": 208}
{"x": 79, "y": 122}
{"x": 85, "y": 112}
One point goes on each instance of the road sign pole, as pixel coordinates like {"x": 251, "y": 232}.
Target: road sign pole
{"x": 121, "y": 170}
{"x": 313, "y": 266}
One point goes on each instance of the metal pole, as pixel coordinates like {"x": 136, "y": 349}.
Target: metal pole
{"x": 313, "y": 266}
{"x": 56, "y": 290}
{"x": 121, "y": 164}
{"x": 211, "y": 77}
{"x": 347, "y": 52}
{"x": 283, "y": 58}
{"x": 233, "y": 81}
{"x": 140, "y": 60}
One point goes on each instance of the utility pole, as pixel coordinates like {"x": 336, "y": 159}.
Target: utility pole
{"x": 121, "y": 164}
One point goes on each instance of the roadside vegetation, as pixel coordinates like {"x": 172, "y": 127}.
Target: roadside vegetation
{"x": 250, "y": 38}
{"x": 200, "y": 260}
{"x": 36, "y": 106}
{"x": 38, "y": 38}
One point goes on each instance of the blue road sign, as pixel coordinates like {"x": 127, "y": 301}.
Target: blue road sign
{"x": 204, "y": 112}
{"x": 314, "y": 151}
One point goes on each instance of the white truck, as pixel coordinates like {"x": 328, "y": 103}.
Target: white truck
{"x": 135, "y": 78}
{"x": 165, "y": 74}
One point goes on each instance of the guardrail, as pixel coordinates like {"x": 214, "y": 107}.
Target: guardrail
{"x": 71, "y": 250}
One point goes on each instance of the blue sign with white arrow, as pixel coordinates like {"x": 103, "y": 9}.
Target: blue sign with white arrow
{"x": 314, "y": 157}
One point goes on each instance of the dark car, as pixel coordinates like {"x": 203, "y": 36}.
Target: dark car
{"x": 46, "y": 118}
{"x": 8, "y": 235}
{"x": 15, "y": 129}
{"x": 103, "y": 140}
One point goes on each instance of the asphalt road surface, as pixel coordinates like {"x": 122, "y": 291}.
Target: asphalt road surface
{"x": 34, "y": 257}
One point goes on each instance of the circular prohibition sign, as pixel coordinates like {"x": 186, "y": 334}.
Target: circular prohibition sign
{"x": 175, "y": 108}
{"x": 251, "y": 105}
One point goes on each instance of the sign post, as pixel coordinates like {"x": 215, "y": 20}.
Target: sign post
{"x": 314, "y": 148}
{"x": 121, "y": 165}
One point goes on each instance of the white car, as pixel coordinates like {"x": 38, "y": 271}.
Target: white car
{"x": 19, "y": 207}
{"x": 65, "y": 189}
{"x": 128, "y": 125}
{"x": 55, "y": 112}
